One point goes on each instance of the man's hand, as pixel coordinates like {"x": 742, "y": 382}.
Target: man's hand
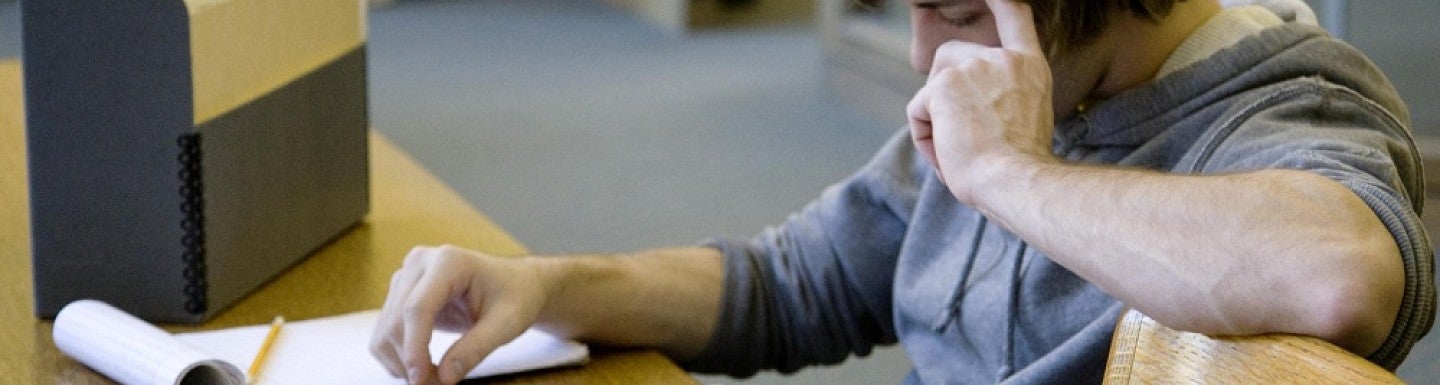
{"x": 983, "y": 108}
{"x": 666, "y": 299}
{"x": 491, "y": 300}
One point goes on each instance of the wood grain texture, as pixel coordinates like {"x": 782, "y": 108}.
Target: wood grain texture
{"x": 1145, "y": 352}
{"x": 409, "y": 207}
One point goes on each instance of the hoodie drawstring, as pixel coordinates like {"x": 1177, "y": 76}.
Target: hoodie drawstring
{"x": 1016, "y": 275}
{"x": 953, "y": 306}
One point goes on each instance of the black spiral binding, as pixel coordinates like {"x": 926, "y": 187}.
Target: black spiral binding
{"x": 192, "y": 204}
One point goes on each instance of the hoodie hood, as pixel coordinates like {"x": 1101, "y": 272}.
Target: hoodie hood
{"x": 1292, "y": 11}
{"x": 1292, "y": 51}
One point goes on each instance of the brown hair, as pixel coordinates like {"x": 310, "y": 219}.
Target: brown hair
{"x": 1067, "y": 24}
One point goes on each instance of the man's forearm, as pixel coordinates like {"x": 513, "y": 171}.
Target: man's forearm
{"x": 667, "y": 299}
{"x": 1268, "y": 251}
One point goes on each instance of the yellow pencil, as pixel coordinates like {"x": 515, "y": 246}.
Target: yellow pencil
{"x": 265, "y": 348}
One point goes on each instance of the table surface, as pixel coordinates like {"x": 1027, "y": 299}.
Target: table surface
{"x": 409, "y": 207}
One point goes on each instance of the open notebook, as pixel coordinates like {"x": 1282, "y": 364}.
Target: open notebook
{"x": 332, "y": 350}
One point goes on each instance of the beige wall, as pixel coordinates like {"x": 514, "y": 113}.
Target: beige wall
{"x": 679, "y": 16}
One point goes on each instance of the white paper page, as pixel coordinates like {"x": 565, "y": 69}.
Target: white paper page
{"x": 129, "y": 350}
{"x": 335, "y": 350}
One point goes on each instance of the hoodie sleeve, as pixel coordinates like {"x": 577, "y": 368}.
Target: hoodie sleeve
{"x": 1334, "y": 132}
{"x": 817, "y": 288}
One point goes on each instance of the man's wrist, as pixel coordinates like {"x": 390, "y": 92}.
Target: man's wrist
{"x": 1003, "y": 177}
{"x": 552, "y": 273}
{"x": 568, "y": 282}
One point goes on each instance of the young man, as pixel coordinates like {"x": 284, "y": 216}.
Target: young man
{"x": 1222, "y": 170}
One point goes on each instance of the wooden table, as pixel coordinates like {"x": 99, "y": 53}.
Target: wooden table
{"x": 1145, "y": 352}
{"x": 409, "y": 206}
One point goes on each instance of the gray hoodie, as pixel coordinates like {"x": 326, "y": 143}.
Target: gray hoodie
{"x": 888, "y": 254}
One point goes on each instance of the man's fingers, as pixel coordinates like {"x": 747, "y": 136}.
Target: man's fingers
{"x": 401, "y": 283}
{"x": 954, "y": 53}
{"x": 919, "y": 114}
{"x": 922, "y": 129}
{"x": 430, "y": 293}
{"x": 496, "y": 326}
{"x": 1015, "y": 24}
{"x": 386, "y": 355}
{"x": 416, "y": 254}
{"x": 920, "y": 126}
{"x": 388, "y": 328}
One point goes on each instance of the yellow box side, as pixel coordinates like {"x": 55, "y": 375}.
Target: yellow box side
{"x": 243, "y": 49}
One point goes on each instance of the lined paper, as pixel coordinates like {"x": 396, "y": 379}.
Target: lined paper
{"x": 331, "y": 350}
{"x": 335, "y": 350}
{"x": 131, "y": 351}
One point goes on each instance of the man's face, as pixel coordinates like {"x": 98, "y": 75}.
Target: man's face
{"x": 934, "y": 22}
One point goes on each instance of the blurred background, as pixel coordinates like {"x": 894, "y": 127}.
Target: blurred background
{"x": 587, "y": 125}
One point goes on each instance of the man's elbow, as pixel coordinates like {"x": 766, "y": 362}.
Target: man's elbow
{"x": 1357, "y": 309}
